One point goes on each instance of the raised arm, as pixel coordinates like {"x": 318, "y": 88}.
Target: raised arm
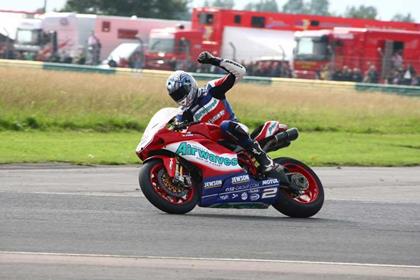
{"x": 235, "y": 73}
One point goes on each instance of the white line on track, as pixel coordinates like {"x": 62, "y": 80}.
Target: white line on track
{"x": 205, "y": 259}
{"x": 133, "y": 193}
{"x": 206, "y": 264}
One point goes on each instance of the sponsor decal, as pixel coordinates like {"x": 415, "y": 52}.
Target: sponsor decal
{"x": 237, "y": 188}
{"x": 207, "y": 108}
{"x": 224, "y": 197}
{"x": 228, "y": 61}
{"x": 270, "y": 182}
{"x": 213, "y": 184}
{"x": 230, "y": 189}
{"x": 254, "y": 197}
{"x": 240, "y": 179}
{"x": 254, "y": 191}
{"x": 244, "y": 196}
{"x": 235, "y": 195}
{"x": 188, "y": 134}
{"x": 186, "y": 149}
{"x": 216, "y": 117}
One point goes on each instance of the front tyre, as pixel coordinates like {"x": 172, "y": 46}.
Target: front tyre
{"x": 157, "y": 187}
{"x": 310, "y": 201}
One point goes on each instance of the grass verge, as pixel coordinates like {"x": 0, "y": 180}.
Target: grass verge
{"x": 48, "y": 100}
{"x": 314, "y": 148}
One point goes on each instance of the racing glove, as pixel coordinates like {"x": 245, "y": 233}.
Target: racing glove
{"x": 207, "y": 58}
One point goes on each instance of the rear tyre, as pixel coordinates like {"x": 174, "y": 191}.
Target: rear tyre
{"x": 159, "y": 190}
{"x": 312, "y": 199}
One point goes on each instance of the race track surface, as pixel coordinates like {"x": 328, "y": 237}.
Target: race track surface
{"x": 70, "y": 222}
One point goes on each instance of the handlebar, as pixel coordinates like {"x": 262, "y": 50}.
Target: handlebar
{"x": 182, "y": 125}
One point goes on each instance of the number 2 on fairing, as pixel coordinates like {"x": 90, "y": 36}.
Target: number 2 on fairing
{"x": 270, "y": 192}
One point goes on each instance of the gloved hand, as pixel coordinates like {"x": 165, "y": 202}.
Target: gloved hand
{"x": 177, "y": 126}
{"x": 207, "y": 58}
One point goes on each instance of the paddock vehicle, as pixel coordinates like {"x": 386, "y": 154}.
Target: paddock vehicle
{"x": 124, "y": 55}
{"x": 51, "y": 34}
{"x": 244, "y": 35}
{"x": 358, "y": 48}
{"x": 68, "y": 33}
{"x": 193, "y": 164}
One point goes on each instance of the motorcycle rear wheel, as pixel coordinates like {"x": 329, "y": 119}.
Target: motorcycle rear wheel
{"x": 151, "y": 177}
{"x": 312, "y": 199}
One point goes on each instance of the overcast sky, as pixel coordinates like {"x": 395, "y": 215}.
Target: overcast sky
{"x": 386, "y": 8}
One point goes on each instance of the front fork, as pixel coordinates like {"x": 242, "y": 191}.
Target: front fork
{"x": 175, "y": 170}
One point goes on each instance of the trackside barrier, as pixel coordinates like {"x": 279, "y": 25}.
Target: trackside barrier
{"x": 390, "y": 89}
{"x": 326, "y": 85}
{"x": 77, "y": 68}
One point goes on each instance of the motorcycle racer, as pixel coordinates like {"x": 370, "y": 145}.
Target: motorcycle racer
{"x": 209, "y": 104}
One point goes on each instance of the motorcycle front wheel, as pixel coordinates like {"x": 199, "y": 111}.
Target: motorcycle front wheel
{"x": 158, "y": 188}
{"x": 310, "y": 201}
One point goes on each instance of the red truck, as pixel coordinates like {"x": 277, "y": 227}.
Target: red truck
{"x": 242, "y": 35}
{"x": 355, "y": 48}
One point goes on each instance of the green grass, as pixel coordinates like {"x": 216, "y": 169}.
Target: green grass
{"x": 48, "y": 100}
{"x": 314, "y": 148}
{"x": 45, "y": 116}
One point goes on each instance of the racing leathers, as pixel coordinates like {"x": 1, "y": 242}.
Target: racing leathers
{"x": 211, "y": 106}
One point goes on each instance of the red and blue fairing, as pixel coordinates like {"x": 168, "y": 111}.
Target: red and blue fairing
{"x": 224, "y": 180}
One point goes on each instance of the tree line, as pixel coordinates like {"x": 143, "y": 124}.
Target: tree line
{"x": 179, "y": 9}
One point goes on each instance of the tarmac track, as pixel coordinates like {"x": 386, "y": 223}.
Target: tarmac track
{"x": 70, "y": 222}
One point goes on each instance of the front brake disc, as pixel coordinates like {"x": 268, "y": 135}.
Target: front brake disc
{"x": 170, "y": 188}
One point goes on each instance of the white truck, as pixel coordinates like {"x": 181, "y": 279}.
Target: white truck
{"x": 67, "y": 34}
{"x": 113, "y": 31}
{"x": 64, "y": 34}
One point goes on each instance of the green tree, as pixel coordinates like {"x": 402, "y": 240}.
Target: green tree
{"x": 319, "y": 7}
{"x": 226, "y": 4}
{"x": 295, "y": 7}
{"x": 367, "y": 12}
{"x": 170, "y": 9}
{"x": 263, "y": 5}
{"x": 404, "y": 18}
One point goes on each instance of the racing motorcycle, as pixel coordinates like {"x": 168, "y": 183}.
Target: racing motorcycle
{"x": 185, "y": 165}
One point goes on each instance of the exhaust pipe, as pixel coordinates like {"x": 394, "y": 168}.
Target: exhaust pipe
{"x": 281, "y": 140}
{"x": 287, "y": 136}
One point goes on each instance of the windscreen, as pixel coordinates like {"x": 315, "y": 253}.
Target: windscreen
{"x": 28, "y": 36}
{"x": 158, "y": 121}
{"x": 162, "y": 45}
{"x": 312, "y": 48}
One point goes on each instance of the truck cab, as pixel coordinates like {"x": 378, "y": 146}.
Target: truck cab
{"x": 313, "y": 51}
{"x": 354, "y": 48}
{"x": 173, "y": 48}
{"x": 29, "y": 36}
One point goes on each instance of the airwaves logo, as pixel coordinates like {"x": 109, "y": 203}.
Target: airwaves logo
{"x": 185, "y": 149}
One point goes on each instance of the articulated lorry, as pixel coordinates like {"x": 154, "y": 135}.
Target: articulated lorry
{"x": 53, "y": 34}
{"x": 243, "y": 35}
{"x": 67, "y": 34}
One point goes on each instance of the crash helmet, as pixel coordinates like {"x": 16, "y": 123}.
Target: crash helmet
{"x": 182, "y": 88}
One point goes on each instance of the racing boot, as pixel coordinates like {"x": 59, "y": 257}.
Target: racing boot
{"x": 272, "y": 169}
{"x": 265, "y": 162}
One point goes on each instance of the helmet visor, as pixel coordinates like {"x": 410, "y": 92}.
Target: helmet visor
{"x": 180, "y": 93}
